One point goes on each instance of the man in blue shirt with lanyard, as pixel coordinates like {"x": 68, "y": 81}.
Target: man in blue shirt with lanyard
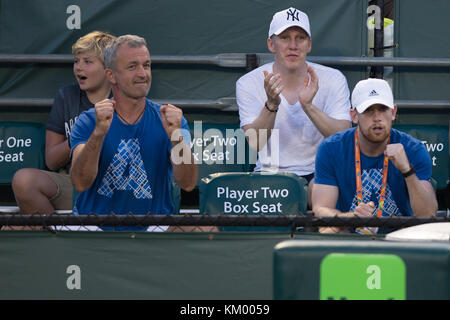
{"x": 372, "y": 169}
{"x": 126, "y": 149}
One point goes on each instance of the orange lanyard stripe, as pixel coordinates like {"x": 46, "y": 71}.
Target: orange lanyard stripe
{"x": 359, "y": 194}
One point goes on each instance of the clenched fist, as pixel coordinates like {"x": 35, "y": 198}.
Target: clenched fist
{"x": 365, "y": 210}
{"x": 396, "y": 153}
{"x": 104, "y": 112}
{"x": 171, "y": 119}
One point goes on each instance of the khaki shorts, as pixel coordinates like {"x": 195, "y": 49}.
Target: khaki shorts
{"x": 62, "y": 200}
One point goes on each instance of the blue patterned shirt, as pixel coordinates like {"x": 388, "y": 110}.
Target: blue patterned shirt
{"x": 335, "y": 165}
{"x": 134, "y": 171}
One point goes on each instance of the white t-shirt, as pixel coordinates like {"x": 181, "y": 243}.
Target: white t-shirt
{"x": 293, "y": 144}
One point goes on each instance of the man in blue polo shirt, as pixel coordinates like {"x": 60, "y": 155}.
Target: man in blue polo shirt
{"x": 126, "y": 149}
{"x": 372, "y": 169}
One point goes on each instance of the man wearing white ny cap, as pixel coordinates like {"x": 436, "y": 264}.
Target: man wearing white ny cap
{"x": 290, "y": 104}
{"x": 373, "y": 169}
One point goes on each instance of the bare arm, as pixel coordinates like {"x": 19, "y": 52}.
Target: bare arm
{"x": 324, "y": 199}
{"x": 185, "y": 170}
{"x": 57, "y": 150}
{"x": 85, "y": 157}
{"x": 258, "y": 132}
{"x": 422, "y": 197}
{"x": 324, "y": 123}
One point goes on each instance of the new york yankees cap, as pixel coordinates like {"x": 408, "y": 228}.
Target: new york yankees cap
{"x": 372, "y": 91}
{"x": 289, "y": 18}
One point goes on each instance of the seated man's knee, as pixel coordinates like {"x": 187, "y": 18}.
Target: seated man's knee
{"x": 25, "y": 182}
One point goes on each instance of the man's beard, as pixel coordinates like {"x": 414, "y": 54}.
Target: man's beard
{"x": 371, "y": 136}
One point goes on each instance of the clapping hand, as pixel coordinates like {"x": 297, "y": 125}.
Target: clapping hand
{"x": 309, "y": 88}
{"x": 273, "y": 87}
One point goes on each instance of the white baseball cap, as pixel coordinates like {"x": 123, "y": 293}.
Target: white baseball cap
{"x": 289, "y": 18}
{"x": 372, "y": 91}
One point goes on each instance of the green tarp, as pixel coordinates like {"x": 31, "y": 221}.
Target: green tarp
{"x": 170, "y": 27}
{"x": 196, "y": 266}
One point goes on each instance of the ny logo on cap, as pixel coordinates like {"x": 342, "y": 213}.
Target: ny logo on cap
{"x": 293, "y": 14}
{"x": 373, "y": 93}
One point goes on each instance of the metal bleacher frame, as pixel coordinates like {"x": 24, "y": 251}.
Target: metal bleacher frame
{"x": 232, "y": 60}
{"x": 246, "y": 61}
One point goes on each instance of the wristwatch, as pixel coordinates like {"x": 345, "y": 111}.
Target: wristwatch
{"x": 409, "y": 172}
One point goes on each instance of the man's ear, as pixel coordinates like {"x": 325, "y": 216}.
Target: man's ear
{"x": 354, "y": 116}
{"x": 271, "y": 44}
{"x": 394, "y": 112}
{"x": 310, "y": 46}
{"x": 110, "y": 76}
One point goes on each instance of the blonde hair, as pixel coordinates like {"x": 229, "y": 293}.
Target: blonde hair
{"x": 96, "y": 41}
